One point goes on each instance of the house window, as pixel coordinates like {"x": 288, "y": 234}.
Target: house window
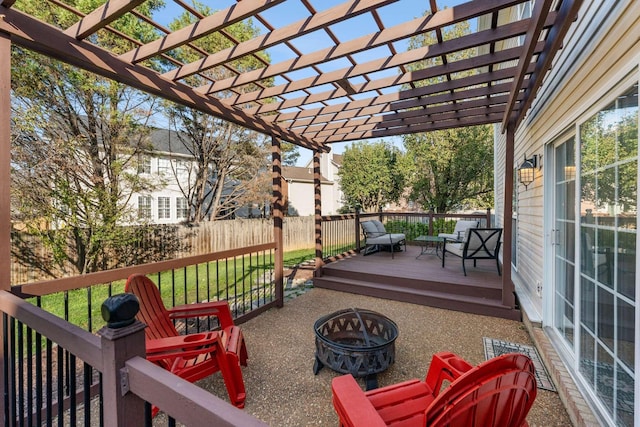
{"x": 164, "y": 208}
{"x": 144, "y": 164}
{"x": 144, "y": 206}
{"x": 181, "y": 208}
{"x": 181, "y": 166}
{"x": 164, "y": 166}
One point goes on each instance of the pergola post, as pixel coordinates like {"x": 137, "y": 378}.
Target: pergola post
{"x": 5, "y": 159}
{"x": 5, "y": 189}
{"x": 278, "y": 219}
{"x": 317, "y": 203}
{"x": 508, "y": 298}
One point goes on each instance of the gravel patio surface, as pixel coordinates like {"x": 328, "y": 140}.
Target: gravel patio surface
{"x": 283, "y": 391}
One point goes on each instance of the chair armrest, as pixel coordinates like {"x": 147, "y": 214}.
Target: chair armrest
{"x": 352, "y": 405}
{"x": 183, "y": 346}
{"x": 219, "y": 309}
{"x": 445, "y": 367}
{"x": 374, "y": 234}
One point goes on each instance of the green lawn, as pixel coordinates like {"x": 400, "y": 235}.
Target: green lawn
{"x": 217, "y": 280}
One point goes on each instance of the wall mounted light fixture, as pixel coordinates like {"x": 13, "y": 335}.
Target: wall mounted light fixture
{"x": 526, "y": 171}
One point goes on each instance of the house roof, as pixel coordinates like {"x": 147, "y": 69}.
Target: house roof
{"x": 297, "y": 173}
{"x": 168, "y": 141}
{"x": 329, "y": 85}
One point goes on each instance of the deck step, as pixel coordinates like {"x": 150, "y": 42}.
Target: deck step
{"x": 485, "y": 291}
{"x": 446, "y": 300}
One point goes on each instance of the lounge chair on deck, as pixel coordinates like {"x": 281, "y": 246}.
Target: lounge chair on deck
{"x": 460, "y": 230}
{"x": 480, "y": 243}
{"x": 376, "y": 235}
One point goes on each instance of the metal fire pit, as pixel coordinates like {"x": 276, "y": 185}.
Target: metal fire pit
{"x": 357, "y": 342}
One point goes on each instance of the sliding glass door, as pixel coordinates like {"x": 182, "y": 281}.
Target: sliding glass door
{"x": 608, "y": 257}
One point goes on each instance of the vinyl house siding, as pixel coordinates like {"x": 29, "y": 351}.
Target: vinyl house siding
{"x": 573, "y": 86}
{"x": 599, "y": 61}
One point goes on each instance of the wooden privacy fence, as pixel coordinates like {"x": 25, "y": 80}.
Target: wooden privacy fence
{"x": 216, "y": 236}
{"x": 204, "y": 238}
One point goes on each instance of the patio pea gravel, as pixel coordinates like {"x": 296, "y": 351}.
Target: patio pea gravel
{"x": 283, "y": 391}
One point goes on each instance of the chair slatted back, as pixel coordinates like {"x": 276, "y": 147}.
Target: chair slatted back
{"x": 498, "y": 392}
{"x": 482, "y": 243}
{"x": 152, "y": 309}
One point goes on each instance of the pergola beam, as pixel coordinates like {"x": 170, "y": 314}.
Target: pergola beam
{"x": 566, "y": 15}
{"x": 539, "y": 15}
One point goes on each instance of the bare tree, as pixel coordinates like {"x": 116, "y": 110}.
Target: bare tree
{"x": 230, "y": 168}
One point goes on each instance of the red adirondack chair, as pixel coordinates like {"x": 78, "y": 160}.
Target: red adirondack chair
{"x": 498, "y": 392}
{"x": 193, "y": 356}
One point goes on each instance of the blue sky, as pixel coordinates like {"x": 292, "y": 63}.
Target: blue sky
{"x": 291, "y": 11}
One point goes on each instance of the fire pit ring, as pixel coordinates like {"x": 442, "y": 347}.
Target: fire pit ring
{"x": 357, "y": 342}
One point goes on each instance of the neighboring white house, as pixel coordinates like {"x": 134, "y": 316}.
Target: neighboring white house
{"x": 166, "y": 165}
{"x": 330, "y": 165}
{"x": 575, "y": 235}
{"x": 298, "y": 186}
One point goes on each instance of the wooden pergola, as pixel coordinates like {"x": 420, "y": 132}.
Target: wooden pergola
{"x": 337, "y": 91}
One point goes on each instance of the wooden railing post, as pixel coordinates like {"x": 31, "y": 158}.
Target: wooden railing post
{"x": 122, "y": 339}
{"x": 489, "y": 218}
{"x": 430, "y": 222}
{"x": 357, "y": 229}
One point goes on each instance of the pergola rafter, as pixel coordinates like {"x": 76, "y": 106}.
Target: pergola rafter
{"x": 322, "y": 116}
{"x": 101, "y": 17}
{"x": 305, "y": 26}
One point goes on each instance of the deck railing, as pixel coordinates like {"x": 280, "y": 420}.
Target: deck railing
{"x": 54, "y": 363}
{"x": 338, "y": 236}
{"x": 59, "y": 374}
{"x": 342, "y": 234}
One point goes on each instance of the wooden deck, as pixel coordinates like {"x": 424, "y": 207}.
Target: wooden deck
{"x": 421, "y": 281}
